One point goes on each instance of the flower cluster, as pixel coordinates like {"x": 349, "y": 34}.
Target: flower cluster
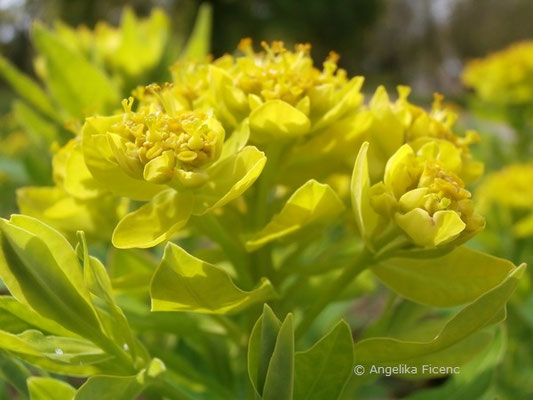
{"x": 183, "y": 145}
{"x": 174, "y": 158}
{"x": 281, "y": 91}
{"x": 504, "y": 77}
{"x": 393, "y": 124}
{"x": 160, "y": 146}
{"x": 422, "y": 193}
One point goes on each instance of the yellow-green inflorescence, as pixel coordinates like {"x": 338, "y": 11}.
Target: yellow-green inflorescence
{"x": 279, "y": 74}
{"x": 504, "y": 77}
{"x": 424, "y": 195}
{"x": 281, "y": 91}
{"x": 163, "y": 144}
{"x": 392, "y": 124}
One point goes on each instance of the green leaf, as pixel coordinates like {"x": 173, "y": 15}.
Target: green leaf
{"x": 110, "y": 388}
{"x": 155, "y": 221}
{"x": 14, "y": 372}
{"x": 79, "y": 87}
{"x": 185, "y": 283}
{"x": 261, "y": 346}
{"x": 16, "y": 317}
{"x": 142, "y": 43}
{"x": 237, "y": 141}
{"x": 365, "y": 217}
{"x": 78, "y": 180}
{"x": 461, "y": 329}
{"x": 42, "y": 131}
{"x": 26, "y": 88}
{"x": 57, "y": 208}
{"x": 49, "y": 389}
{"x": 475, "y": 378}
{"x": 228, "y": 179}
{"x": 100, "y": 160}
{"x": 279, "y": 381}
{"x": 277, "y": 120}
{"x": 199, "y": 42}
{"x": 41, "y": 270}
{"x": 457, "y": 277}
{"x": 310, "y": 204}
{"x": 322, "y": 371}
{"x": 63, "y": 355}
{"x": 99, "y": 284}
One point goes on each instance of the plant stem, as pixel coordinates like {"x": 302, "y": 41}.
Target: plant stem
{"x": 233, "y": 248}
{"x": 363, "y": 260}
{"x": 260, "y": 210}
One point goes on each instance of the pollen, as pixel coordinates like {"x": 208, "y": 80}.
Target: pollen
{"x": 150, "y": 132}
{"x": 277, "y": 73}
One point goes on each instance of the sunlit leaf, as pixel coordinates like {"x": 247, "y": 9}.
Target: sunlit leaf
{"x": 278, "y": 120}
{"x": 42, "y": 388}
{"x": 469, "y": 321}
{"x": 41, "y": 270}
{"x": 365, "y": 217}
{"x": 199, "y": 42}
{"x": 26, "y": 88}
{"x": 228, "y": 179}
{"x": 80, "y": 87}
{"x": 457, "y": 277}
{"x": 185, "y": 283}
{"x": 155, "y": 221}
{"x": 312, "y": 203}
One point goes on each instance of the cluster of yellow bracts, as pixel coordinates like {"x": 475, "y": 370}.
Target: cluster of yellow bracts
{"x": 197, "y": 143}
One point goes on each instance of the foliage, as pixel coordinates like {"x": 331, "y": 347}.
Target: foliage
{"x": 198, "y": 231}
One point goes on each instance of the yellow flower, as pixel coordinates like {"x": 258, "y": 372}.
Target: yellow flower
{"x": 504, "y": 77}
{"x": 281, "y": 91}
{"x": 510, "y": 188}
{"x": 173, "y": 158}
{"x": 392, "y": 124}
{"x": 420, "y": 193}
{"x": 159, "y": 146}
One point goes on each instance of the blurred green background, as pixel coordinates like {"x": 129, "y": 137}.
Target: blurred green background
{"x": 422, "y": 43}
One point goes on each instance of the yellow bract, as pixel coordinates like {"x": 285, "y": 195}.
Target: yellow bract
{"x": 423, "y": 194}
{"x": 394, "y": 123}
{"x": 504, "y": 77}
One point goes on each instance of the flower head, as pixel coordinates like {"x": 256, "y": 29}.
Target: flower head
{"x": 393, "y": 124}
{"x": 504, "y": 77}
{"x": 162, "y": 144}
{"x": 282, "y": 91}
{"x": 425, "y": 197}
{"x": 170, "y": 156}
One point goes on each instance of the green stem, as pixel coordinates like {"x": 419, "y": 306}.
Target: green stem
{"x": 265, "y": 183}
{"x": 122, "y": 357}
{"x": 363, "y": 260}
{"x": 235, "y": 251}
{"x": 261, "y": 209}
